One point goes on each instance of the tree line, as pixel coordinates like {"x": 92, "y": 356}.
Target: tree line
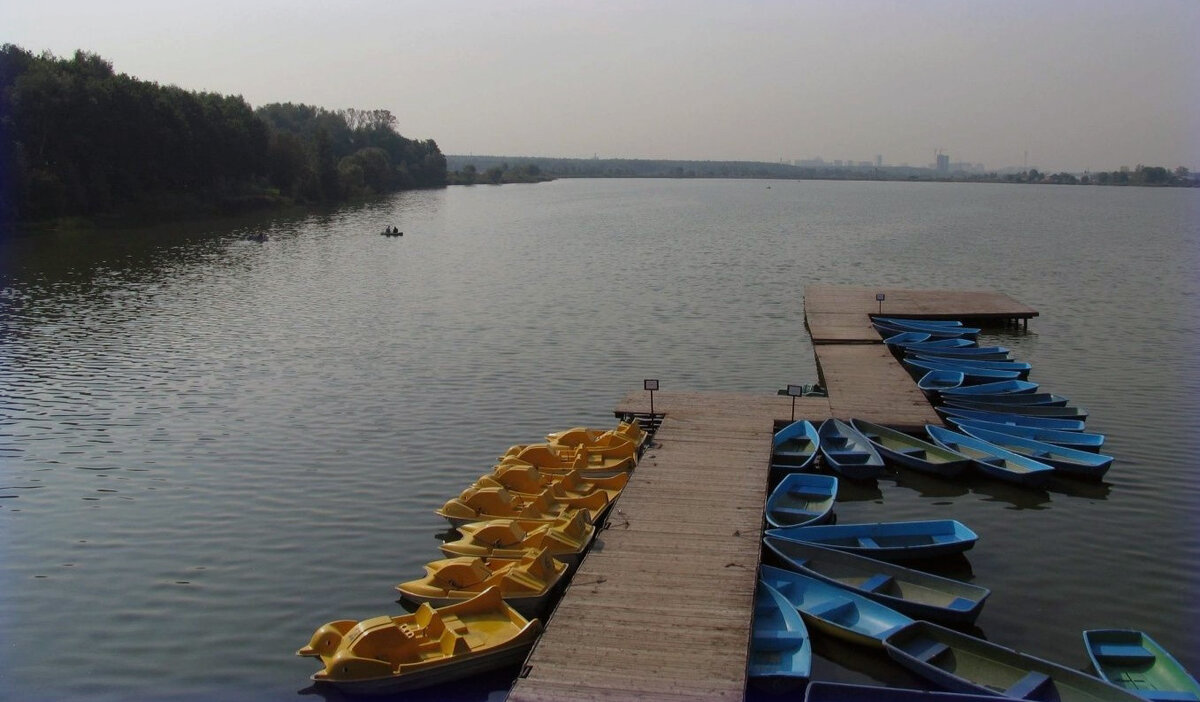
{"x": 78, "y": 139}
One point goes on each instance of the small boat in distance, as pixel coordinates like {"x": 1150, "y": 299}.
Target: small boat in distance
{"x": 1132, "y": 660}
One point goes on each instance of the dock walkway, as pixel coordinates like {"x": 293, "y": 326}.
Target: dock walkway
{"x": 661, "y": 606}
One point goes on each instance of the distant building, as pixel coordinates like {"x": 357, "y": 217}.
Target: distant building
{"x": 878, "y": 161}
{"x": 943, "y": 163}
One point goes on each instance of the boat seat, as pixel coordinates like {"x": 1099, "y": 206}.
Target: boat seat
{"x": 943, "y": 538}
{"x": 1124, "y": 654}
{"x": 452, "y": 644}
{"x": 868, "y": 542}
{"x": 876, "y": 582}
{"x": 831, "y": 609}
{"x": 961, "y": 604}
{"x": 1028, "y": 686}
{"x": 928, "y": 652}
{"x": 794, "y": 511}
{"x": 777, "y": 640}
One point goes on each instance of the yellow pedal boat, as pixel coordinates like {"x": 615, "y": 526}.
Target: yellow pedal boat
{"x": 583, "y": 436}
{"x": 477, "y": 504}
{"x": 527, "y": 585}
{"x": 566, "y": 539}
{"x": 385, "y": 654}
{"x": 524, "y": 479}
{"x": 556, "y": 458}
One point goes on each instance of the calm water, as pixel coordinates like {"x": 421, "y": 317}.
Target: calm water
{"x": 210, "y": 446}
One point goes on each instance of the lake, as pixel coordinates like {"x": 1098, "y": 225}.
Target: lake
{"x": 210, "y": 446}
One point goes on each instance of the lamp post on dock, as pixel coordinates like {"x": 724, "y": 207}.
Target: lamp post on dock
{"x": 879, "y": 298}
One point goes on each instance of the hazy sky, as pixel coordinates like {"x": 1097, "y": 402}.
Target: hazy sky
{"x": 1087, "y": 84}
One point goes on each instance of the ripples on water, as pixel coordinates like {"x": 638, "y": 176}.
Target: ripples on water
{"x": 211, "y": 446}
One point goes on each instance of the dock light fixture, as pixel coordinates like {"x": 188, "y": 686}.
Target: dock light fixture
{"x": 795, "y": 391}
{"x": 879, "y": 298}
{"x": 651, "y": 384}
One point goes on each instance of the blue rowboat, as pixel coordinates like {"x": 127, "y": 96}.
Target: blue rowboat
{"x": 1078, "y": 440}
{"x": 971, "y": 353}
{"x": 936, "y": 343}
{"x": 918, "y": 594}
{"x": 802, "y": 498}
{"x": 835, "y": 610}
{"x": 938, "y": 380}
{"x": 991, "y": 459}
{"x": 780, "y": 648}
{"x": 795, "y": 445}
{"x": 887, "y": 541}
{"x": 1132, "y": 660}
{"x": 849, "y": 452}
{"x": 964, "y": 663}
{"x": 1056, "y": 411}
{"x": 1073, "y": 462}
{"x": 885, "y": 330}
{"x": 914, "y": 322}
{"x": 972, "y": 363}
{"x": 846, "y": 692}
{"x": 1012, "y": 418}
{"x": 1008, "y": 387}
{"x": 1015, "y": 398}
{"x": 971, "y": 375}
{"x": 911, "y": 452}
{"x": 906, "y": 338}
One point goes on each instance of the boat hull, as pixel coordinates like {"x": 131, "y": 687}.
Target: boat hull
{"x": 780, "y": 648}
{"x": 1079, "y": 464}
{"x": 911, "y": 452}
{"x": 802, "y": 498}
{"x": 1132, "y": 660}
{"x": 888, "y": 541}
{"x": 915, "y": 593}
{"x": 834, "y": 610}
{"x": 848, "y": 452}
{"x": 964, "y": 663}
{"x": 991, "y": 460}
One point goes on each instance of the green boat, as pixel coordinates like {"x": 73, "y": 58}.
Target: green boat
{"x": 1134, "y": 661}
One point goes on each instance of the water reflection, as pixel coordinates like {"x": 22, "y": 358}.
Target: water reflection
{"x": 1017, "y": 497}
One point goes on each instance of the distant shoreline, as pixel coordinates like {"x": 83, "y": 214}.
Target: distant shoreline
{"x": 472, "y": 170}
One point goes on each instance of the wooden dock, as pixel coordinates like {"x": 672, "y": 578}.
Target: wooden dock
{"x": 661, "y": 606}
{"x": 839, "y": 314}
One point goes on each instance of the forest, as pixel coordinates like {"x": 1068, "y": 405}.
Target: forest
{"x": 80, "y": 140}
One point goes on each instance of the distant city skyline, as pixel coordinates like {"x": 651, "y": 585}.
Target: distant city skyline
{"x": 1078, "y": 85}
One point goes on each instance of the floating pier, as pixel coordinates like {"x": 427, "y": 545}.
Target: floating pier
{"x": 661, "y": 606}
